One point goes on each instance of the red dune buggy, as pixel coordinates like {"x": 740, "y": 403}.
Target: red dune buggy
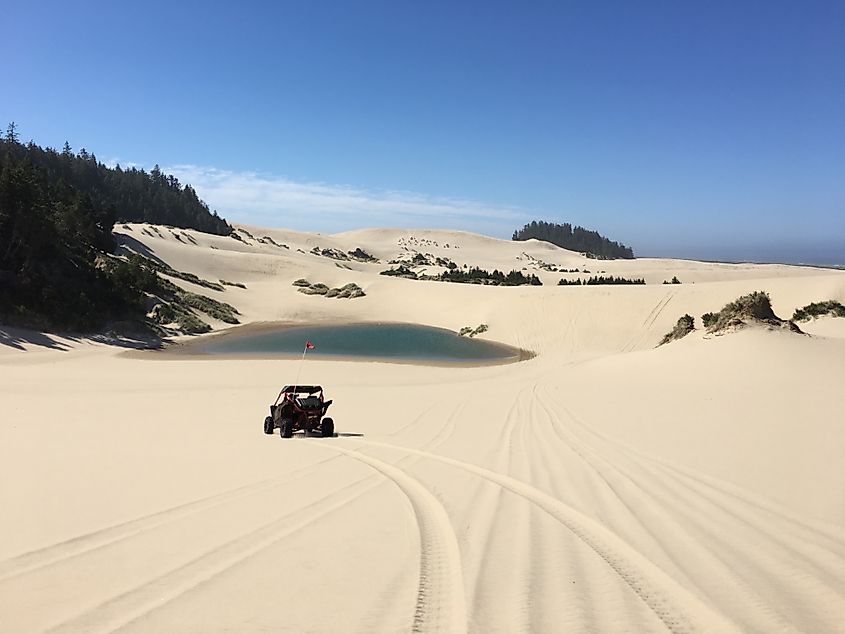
{"x": 300, "y": 408}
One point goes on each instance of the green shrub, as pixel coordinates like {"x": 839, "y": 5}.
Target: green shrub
{"x": 349, "y": 291}
{"x": 211, "y": 307}
{"x": 238, "y": 284}
{"x": 684, "y": 326}
{"x": 315, "y": 289}
{"x": 361, "y": 255}
{"x": 302, "y": 282}
{"x": 709, "y": 319}
{"x": 161, "y": 267}
{"x": 469, "y": 331}
{"x": 479, "y": 329}
{"x": 164, "y": 314}
{"x": 188, "y": 322}
{"x": 755, "y": 306}
{"x": 400, "y": 271}
{"x": 177, "y": 303}
{"x": 818, "y": 309}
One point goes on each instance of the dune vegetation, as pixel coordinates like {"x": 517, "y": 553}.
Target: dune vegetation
{"x": 830, "y": 308}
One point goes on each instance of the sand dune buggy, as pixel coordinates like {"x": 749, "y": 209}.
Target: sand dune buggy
{"x": 300, "y": 408}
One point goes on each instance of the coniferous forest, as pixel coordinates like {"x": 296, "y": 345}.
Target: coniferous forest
{"x": 601, "y": 280}
{"x": 574, "y": 239}
{"x": 476, "y": 275}
{"x": 134, "y": 195}
{"x": 57, "y": 211}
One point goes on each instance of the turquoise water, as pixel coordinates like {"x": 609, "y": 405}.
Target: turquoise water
{"x": 367, "y": 341}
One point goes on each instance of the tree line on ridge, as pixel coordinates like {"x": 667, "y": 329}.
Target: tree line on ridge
{"x": 57, "y": 212}
{"x": 575, "y": 239}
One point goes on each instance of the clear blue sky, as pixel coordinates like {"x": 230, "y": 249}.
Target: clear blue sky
{"x": 712, "y": 130}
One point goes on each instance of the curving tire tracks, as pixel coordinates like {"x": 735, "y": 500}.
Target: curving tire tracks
{"x": 441, "y": 606}
{"x": 644, "y": 507}
{"x": 833, "y": 536}
{"x": 679, "y": 610}
{"x": 148, "y": 595}
{"x": 798, "y": 565}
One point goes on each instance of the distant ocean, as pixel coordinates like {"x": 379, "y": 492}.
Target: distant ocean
{"x": 826, "y": 257}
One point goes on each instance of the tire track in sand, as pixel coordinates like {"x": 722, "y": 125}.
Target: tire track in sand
{"x": 679, "y": 610}
{"x": 639, "y": 336}
{"x": 151, "y": 595}
{"x": 173, "y": 583}
{"x": 441, "y": 605}
{"x": 761, "y": 579}
{"x": 100, "y": 538}
{"x": 372, "y": 621}
{"x": 649, "y": 508}
{"x": 484, "y": 509}
{"x": 806, "y": 532}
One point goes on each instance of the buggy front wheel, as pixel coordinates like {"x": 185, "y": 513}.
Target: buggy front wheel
{"x": 287, "y": 427}
{"x": 268, "y": 425}
{"x": 328, "y": 428}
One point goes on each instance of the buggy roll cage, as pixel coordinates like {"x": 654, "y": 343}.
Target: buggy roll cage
{"x": 293, "y": 390}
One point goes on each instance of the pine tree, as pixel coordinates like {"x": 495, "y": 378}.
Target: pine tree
{"x": 12, "y": 133}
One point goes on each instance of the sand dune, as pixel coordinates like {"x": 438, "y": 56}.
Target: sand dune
{"x": 604, "y": 485}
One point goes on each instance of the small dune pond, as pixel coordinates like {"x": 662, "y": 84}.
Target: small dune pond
{"x": 408, "y": 343}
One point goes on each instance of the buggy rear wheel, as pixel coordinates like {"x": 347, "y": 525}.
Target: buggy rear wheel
{"x": 287, "y": 427}
{"x": 268, "y": 425}
{"x": 327, "y": 428}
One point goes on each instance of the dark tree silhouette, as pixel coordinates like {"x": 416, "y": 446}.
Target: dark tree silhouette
{"x": 135, "y": 195}
{"x": 600, "y": 280}
{"x": 476, "y": 275}
{"x": 575, "y": 239}
{"x": 57, "y": 212}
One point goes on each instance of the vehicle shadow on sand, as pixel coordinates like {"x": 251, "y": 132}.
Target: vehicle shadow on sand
{"x": 342, "y": 434}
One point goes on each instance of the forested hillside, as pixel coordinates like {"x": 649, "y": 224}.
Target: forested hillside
{"x": 575, "y": 239}
{"x": 134, "y": 195}
{"x": 57, "y": 211}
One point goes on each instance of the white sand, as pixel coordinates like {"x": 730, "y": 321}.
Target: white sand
{"x": 604, "y": 485}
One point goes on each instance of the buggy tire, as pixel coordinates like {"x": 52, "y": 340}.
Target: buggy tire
{"x": 327, "y": 428}
{"x": 287, "y": 427}
{"x": 268, "y": 425}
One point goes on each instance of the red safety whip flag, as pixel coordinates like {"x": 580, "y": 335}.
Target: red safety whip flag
{"x": 309, "y": 345}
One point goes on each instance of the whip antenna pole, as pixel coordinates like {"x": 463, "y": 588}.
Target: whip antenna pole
{"x": 308, "y": 346}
